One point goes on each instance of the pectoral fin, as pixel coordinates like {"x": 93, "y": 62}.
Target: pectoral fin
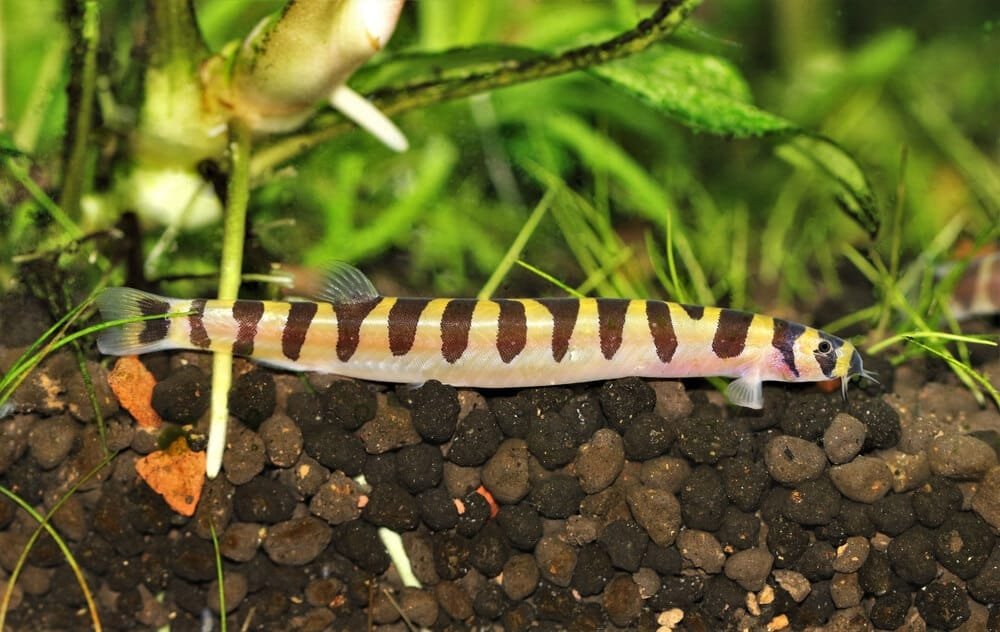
{"x": 746, "y": 391}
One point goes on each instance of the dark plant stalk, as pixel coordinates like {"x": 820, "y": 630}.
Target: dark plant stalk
{"x": 85, "y": 30}
{"x": 664, "y": 21}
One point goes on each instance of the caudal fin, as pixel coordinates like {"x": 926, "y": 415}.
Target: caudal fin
{"x": 143, "y": 336}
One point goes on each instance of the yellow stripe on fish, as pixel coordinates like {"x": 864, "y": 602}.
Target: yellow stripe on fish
{"x": 498, "y": 343}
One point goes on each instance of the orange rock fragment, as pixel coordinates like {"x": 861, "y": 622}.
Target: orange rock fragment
{"x": 829, "y": 386}
{"x": 177, "y": 474}
{"x": 132, "y": 384}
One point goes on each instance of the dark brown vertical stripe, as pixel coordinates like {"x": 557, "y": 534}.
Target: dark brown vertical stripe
{"x": 694, "y": 312}
{"x": 196, "y": 323}
{"x": 246, "y": 314}
{"x": 300, "y": 316}
{"x": 965, "y": 289}
{"x": 403, "y": 318}
{"x": 662, "y": 329}
{"x": 512, "y": 329}
{"x": 157, "y": 328}
{"x": 828, "y": 361}
{"x": 564, "y": 312}
{"x": 455, "y": 323}
{"x": 731, "y": 334}
{"x": 350, "y": 316}
{"x": 993, "y": 282}
{"x": 785, "y": 335}
{"x": 610, "y": 322}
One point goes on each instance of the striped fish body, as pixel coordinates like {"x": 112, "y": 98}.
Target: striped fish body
{"x": 977, "y": 292}
{"x": 487, "y": 343}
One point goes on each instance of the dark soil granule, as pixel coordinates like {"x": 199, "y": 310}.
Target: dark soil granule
{"x": 807, "y": 416}
{"x": 622, "y": 400}
{"x": 703, "y": 500}
{"x": 381, "y": 468}
{"x": 880, "y": 419}
{"x": 963, "y": 543}
{"x": 553, "y": 440}
{"x": 935, "y": 500}
{"x": 358, "y": 541}
{"x": 678, "y": 591}
{"x": 419, "y": 467}
{"x": 183, "y": 396}
{"x": 489, "y": 551}
{"x": 593, "y": 570}
{"x": 392, "y": 507}
{"x": 647, "y": 436}
{"x": 768, "y": 416}
{"x": 739, "y": 529}
{"x": 622, "y": 600}
{"x": 722, "y": 597}
{"x": 816, "y": 562}
{"x": 305, "y": 410}
{"x": 854, "y": 519}
{"x": 892, "y": 514}
{"x": 625, "y": 543}
{"x": 786, "y": 540}
{"x": 555, "y": 603}
{"x": 335, "y": 448}
{"x": 514, "y": 416}
{"x": 943, "y": 605}
{"x": 665, "y": 560}
{"x": 875, "y": 576}
{"x": 348, "y": 403}
{"x": 812, "y": 502}
{"x": 252, "y": 398}
{"x": 451, "y": 556}
{"x": 435, "y": 410}
{"x": 490, "y": 602}
{"x": 477, "y": 437}
{"x": 707, "y": 439}
{"x": 191, "y": 558}
{"x": 745, "y": 481}
{"x": 263, "y": 500}
{"x": 476, "y": 513}
{"x": 985, "y": 588}
{"x": 585, "y": 411}
{"x": 521, "y": 524}
{"x": 815, "y": 609}
{"x": 557, "y": 496}
{"x": 911, "y": 554}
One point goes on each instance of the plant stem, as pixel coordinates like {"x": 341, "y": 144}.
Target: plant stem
{"x": 81, "y": 99}
{"x": 664, "y": 21}
{"x": 238, "y": 195}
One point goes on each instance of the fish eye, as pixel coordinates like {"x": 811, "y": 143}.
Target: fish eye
{"x": 824, "y": 346}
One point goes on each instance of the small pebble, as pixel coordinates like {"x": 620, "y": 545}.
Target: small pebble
{"x": 622, "y": 600}
{"x": 672, "y": 400}
{"x": 593, "y": 570}
{"x": 707, "y": 439}
{"x": 263, "y": 500}
{"x": 234, "y": 586}
{"x": 348, "y": 403}
{"x": 419, "y": 548}
{"x": 745, "y": 481}
{"x": 506, "y": 472}
{"x": 648, "y": 582}
{"x": 244, "y": 457}
{"x": 657, "y": 511}
{"x": 522, "y": 525}
{"x": 963, "y": 543}
{"x": 454, "y": 600}
{"x": 936, "y": 500}
{"x": 553, "y": 439}
{"x": 241, "y": 540}
{"x": 749, "y": 568}
{"x": 252, "y": 397}
{"x": 648, "y": 435}
{"x": 391, "y": 428}
{"x": 337, "y": 500}
{"x": 985, "y": 587}
{"x": 557, "y": 496}
{"x": 305, "y": 477}
{"x": 845, "y": 590}
{"x": 459, "y": 480}
{"x": 943, "y": 605}
{"x": 435, "y": 410}
{"x": 702, "y": 549}
{"x": 793, "y": 460}
{"x": 892, "y": 514}
{"x": 882, "y": 427}
{"x": 909, "y": 471}
{"x": 623, "y": 399}
{"x": 476, "y": 439}
{"x": 814, "y": 502}
{"x": 419, "y": 467}
{"x": 851, "y": 554}
{"x": 183, "y": 396}
{"x": 625, "y": 542}
{"x": 324, "y": 591}
{"x": 392, "y": 507}
{"x": 51, "y": 440}
{"x": 600, "y": 460}
{"x": 865, "y": 479}
{"x": 335, "y": 448}
{"x": 419, "y": 606}
{"x": 961, "y": 456}
{"x": 282, "y": 440}
{"x": 556, "y": 560}
{"x": 889, "y": 610}
{"x": 664, "y": 472}
{"x": 843, "y": 439}
{"x": 520, "y": 576}
{"x": 297, "y": 541}
{"x": 911, "y": 554}
{"x": 986, "y": 500}
{"x": 703, "y": 500}
{"x": 793, "y": 582}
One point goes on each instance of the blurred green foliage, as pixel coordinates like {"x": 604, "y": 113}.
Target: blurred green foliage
{"x": 684, "y": 154}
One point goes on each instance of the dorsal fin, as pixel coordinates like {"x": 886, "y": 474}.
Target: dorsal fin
{"x": 343, "y": 283}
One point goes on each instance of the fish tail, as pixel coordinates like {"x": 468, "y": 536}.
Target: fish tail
{"x": 139, "y": 336}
